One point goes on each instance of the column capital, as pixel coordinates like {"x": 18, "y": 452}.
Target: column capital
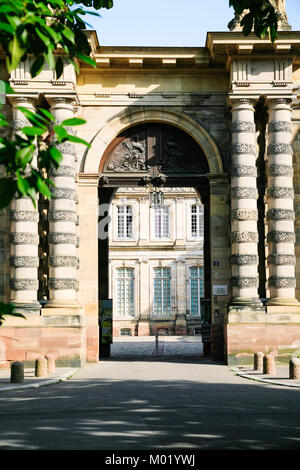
{"x": 240, "y": 102}
{"x": 63, "y": 101}
{"x": 279, "y": 102}
{"x": 17, "y": 99}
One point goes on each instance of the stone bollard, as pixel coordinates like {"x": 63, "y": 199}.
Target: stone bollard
{"x": 41, "y": 367}
{"x": 259, "y": 361}
{"x": 50, "y": 363}
{"x": 269, "y": 364}
{"x": 295, "y": 368}
{"x": 17, "y": 372}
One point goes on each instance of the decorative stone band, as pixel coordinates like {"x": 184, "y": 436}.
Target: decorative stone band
{"x": 63, "y": 261}
{"x": 282, "y": 259}
{"x": 57, "y": 238}
{"x": 63, "y": 171}
{"x": 241, "y": 260}
{"x": 244, "y": 149}
{"x": 244, "y": 237}
{"x": 280, "y": 126}
{"x": 244, "y": 193}
{"x": 276, "y": 149}
{"x": 275, "y": 192}
{"x": 244, "y": 214}
{"x": 24, "y": 261}
{"x": 281, "y": 170}
{"x": 58, "y": 284}
{"x": 65, "y": 216}
{"x": 282, "y": 282}
{"x": 64, "y": 193}
{"x": 244, "y": 171}
{"x": 244, "y": 282}
{"x": 26, "y": 216}
{"x": 281, "y": 237}
{"x": 23, "y": 238}
{"x": 19, "y": 123}
{"x": 280, "y": 214}
{"x": 24, "y": 284}
{"x": 67, "y": 147}
{"x": 243, "y": 126}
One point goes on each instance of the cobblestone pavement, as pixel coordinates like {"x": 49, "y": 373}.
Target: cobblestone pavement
{"x": 167, "y": 346}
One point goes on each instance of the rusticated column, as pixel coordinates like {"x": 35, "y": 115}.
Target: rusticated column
{"x": 63, "y": 284}
{"x": 280, "y": 216}
{"x": 244, "y": 235}
{"x": 24, "y": 237}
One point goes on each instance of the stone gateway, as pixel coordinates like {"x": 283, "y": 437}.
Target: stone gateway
{"x": 194, "y": 157}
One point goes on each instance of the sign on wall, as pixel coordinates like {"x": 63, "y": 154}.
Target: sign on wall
{"x": 220, "y": 290}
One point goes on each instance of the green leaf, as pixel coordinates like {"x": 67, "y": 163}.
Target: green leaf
{"x": 37, "y": 66}
{"x": 59, "y": 67}
{"x": 60, "y": 132}
{"x": 73, "y": 122}
{"x": 25, "y": 155}
{"x": 33, "y": 117}
{"x": 78, "y": 140}
{"x": 33, "y": 130}
{"x": 23, "y": 184}
{"x": 6, "y": 27}
{"x": 8, "y": 188}
{"x": 55, "y": 155}
{"x": 47, "y": 114}
{"x": 69, "y": 35}
{"x": 50, "y": 59}
{"x": 86, "y": 59}
{"x": 17, "y": 51}
{"x": 43, "y": 188}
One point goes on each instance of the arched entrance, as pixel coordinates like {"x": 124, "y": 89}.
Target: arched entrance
{"x": 162, "y": 156}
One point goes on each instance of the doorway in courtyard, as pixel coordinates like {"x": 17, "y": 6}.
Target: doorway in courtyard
{"x": 154, "y": 241}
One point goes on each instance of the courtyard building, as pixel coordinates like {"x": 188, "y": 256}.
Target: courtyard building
{"x": 194, "y": 157}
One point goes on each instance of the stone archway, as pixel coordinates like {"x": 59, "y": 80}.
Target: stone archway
{"x": 109, "y": 132}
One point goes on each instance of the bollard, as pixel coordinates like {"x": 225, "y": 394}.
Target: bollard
{"x": 259, "y": 361}
{"x": 295, "y": 368}
{"x": 156, "y": 344}
{"x": 269, "y": 364}
{"x": 50, "y": 363}
{"x": 17, "y": 372}
{"x": 41, "y": 367}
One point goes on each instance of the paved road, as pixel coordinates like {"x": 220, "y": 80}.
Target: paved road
{"x": 152, "y": 403}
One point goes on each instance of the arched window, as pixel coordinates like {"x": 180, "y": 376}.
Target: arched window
{"x": 125, "y": 292}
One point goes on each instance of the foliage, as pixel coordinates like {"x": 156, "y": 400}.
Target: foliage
{"x": 8, "y": 309}
{"x": 262, "y": 17}
{"x": 44, "y": 32}
{"x": 32, "y": 27}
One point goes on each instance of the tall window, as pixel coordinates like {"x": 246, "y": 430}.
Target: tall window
{"x": 125, "y": 222}
{"x": 161, "y": 222}
{"x": 162, "y": 291}
{"x": 197, "y": 220}
{"x": 125, "y": 292}
{"x": 197, "y": 289}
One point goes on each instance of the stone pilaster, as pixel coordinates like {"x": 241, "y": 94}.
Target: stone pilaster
{"x": 63, "y": 284}
{"x": 24, "y": 237}
{"x": 280, "y": 195}
{"x": 244, "y": 234}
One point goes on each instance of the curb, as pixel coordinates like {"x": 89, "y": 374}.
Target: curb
{"x": 258, "y": 379}
{"x": 43, "y": 383}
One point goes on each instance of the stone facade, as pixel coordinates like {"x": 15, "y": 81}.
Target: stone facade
{"x": 143, "y": 251}
{"x": 237, "y": 99}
